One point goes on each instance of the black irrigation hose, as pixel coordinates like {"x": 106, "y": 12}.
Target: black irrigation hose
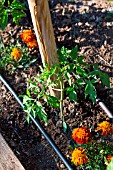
{"x": 107, "y": 111}
{"x": 38, "y": 125}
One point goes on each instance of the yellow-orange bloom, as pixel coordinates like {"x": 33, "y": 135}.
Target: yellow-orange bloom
{"x": 105, "y": 127}
{"x": 81, "y": 135}
{"x": 109, "y": 158}
{"x": 16, "y": 54}
{"x": 32, "y": 44}
{"x": 79, "y": 156}
{"x": 27, "y": 35}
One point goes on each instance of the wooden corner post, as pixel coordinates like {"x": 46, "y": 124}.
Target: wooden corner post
{"x": 41, "y": 19}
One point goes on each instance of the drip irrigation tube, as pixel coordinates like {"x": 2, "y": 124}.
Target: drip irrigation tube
{"x": 38, "y": 125}
{"x": 107, "y": 111}
{"x": 103, "y": 106}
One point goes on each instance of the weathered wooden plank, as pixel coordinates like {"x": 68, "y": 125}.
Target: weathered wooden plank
{"x": 8, "y": 161}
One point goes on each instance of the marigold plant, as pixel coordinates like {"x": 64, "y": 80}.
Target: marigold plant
{"x": 79, "y": 156}
{"x": 105, "y": 127}
{"x": 81, "y": 135}
{"x": 94, "y": 152}
{"x": 16, "y": 54}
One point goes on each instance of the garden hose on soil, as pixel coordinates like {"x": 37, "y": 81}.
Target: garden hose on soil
{"x": 38, "y": 125}
{"x": 105, "y": 109}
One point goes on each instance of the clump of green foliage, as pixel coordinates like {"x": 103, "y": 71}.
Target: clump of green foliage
{"x": 14, "y": 8}
{"x": 74, "y": 72}
{"x": 10, "y": 64}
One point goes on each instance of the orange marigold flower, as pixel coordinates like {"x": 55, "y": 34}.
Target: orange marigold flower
{"x": 81, "y": 135}
{"x": 27, "y": 35}
{"x": 105, "y": 127}
{"x": 109, "y": 158}
{"x": 16, "y": 54}
{"x": 79, "y": 156}
{"x": 32, "y": 44}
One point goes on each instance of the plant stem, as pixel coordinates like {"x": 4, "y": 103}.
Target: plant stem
{"x": 61, "y": 99}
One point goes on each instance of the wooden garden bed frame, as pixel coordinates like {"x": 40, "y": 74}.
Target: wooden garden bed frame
{"x": 8, "y": 161}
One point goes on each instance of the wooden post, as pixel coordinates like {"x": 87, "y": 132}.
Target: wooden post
{"x": 44, "y": 31}
{"x": 41, "y": 19}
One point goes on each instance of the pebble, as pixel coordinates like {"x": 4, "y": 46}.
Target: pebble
{"x": 62, "y": 166}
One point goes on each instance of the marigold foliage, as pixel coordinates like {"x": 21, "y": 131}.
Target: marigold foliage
{"x": 28, "y": 37}
{"x": 16, "y": 54}
{"x": 79, "y": 156}
{"x": 109, "y": 158}
{"x": 81, "y": 135}
{"x": 105, "y": 127}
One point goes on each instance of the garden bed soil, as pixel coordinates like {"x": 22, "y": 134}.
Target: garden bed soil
{"x": 82, "y": 23}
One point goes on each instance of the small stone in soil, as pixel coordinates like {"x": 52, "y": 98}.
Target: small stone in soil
{"x": 62, "y": 166}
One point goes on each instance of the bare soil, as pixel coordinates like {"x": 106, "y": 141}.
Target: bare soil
{"x": 86, "y": 24}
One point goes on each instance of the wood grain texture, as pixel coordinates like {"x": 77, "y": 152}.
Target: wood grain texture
{"x": 8, "y": 161}
{"x": 42, "y": 23}
{"x": 41, "y": 19}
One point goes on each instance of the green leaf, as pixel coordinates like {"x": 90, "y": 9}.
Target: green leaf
{"x": 64, "y": 126}
{"x": 17, "y": 15}
{"x": 41, "y": 112}
{"x": 28, "y": 93}
{"x": 26, "y": 99}
{"x": 4, "y": 19}
{"x": 80, "y": 61}
{"x": 68, "y": 89}
{"x": 62, "y": 58}
{"x": 28, "y": 118}
{"x": 104, "y": 78}
{"x": 33, "y": 61}
{"x": 74, "y": 53}
{"x": 68, "y": 77}
{"x": 93, "y": 73}
{"x": 94, "y": 81}
{"x": 53, "y": 101}
{"x": 20, "y": 66}
{"x": 80, "y": 71}
{"x": 95, "y": 66}
{"x": 91, "y": 91}
{"x": 2, "y": 1}
{"x": 80, "y": 81}
{"x": 18, "y": 5}
{"x": 44, "y": 118}
{"x": 73, "y": 95}
{"x": 110, "y": 165}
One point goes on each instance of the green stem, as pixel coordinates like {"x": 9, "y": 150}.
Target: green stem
{"x": 61, "y": 100}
